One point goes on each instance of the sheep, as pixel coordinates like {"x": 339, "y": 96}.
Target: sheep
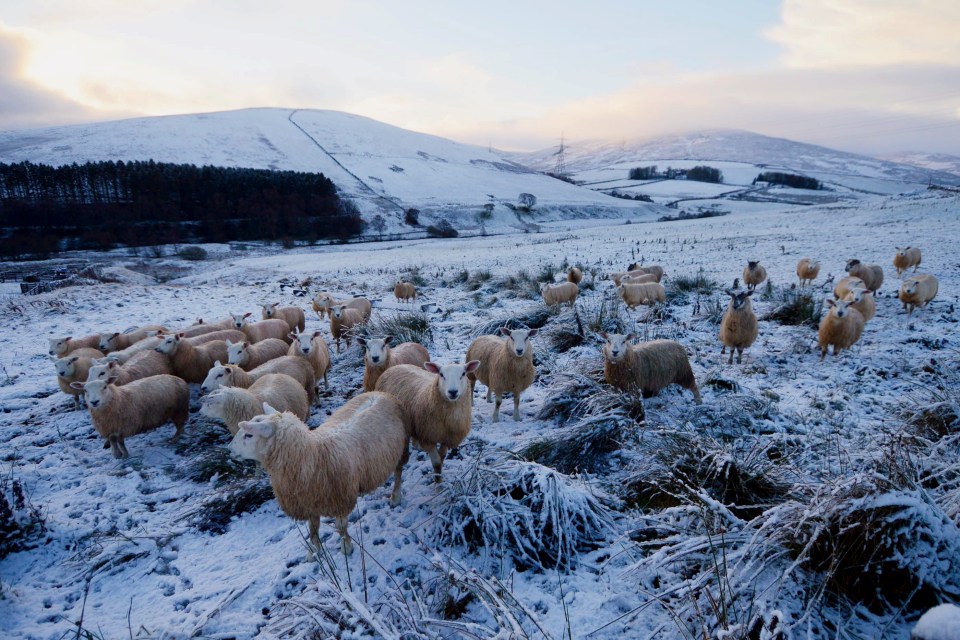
{"x": 120, "y": 412}
{"x": 738, "y": 329}
{"x": 649, "y": 293}
{"x": 343, "y": 320}
{"x": 223, "y": 323}
{"x": 846, "y": 285}
{"x": 230, "y": 375}
{"x": 200, "y": 329}
{"x": 438, "y": 401}
{"x": 918, "y": 291}
{"x": 404, "y": 291}
{"x": 380, "y": 356}
{"x": 506, "y": 365}
{"x": 259, "y": 331}
{"x": 147, "y": 344}
{"x": 648, "y": 367}
{"x": 192, "y": 362}
{"x": 557, "y": 294}
{"x": 871, "y": 274}
{"x": 574, "y": 275}
{"x": 250, "y": 356}
{"x": 905, "y": 258}
{"x": 841, "y": 327}
{"x": 314, "y": 348}
{"x": 360, "y": 304}
{"x": 232, "y": 405}
{"x": 116, "y": 341}
{"x": 807, "y": 271}
{"x": 655, "y": 269}
{"x": 142, "y": 365}
{"x": 73, "y": 368}
{"x": 60, "y": 347}
{"x": 864, "y": 302}
{"x": 753, "y": 274}
{"x": 321, "y": 304}
{"x": 321, "y": 473}
{"x": 643, "y": 278}
{"x": 293, "y": 315}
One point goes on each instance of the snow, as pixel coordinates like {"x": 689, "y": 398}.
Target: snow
{"x": 123, "y": 544}
{"x": 939, "y": 623}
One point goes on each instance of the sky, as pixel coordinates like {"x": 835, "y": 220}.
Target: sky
{"x": 871, "y": 76}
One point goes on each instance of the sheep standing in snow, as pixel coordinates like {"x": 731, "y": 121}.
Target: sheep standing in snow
{"x": 60, "y": 347}
{"x": 293, "y": 315}
{"x": 314, "y": 349}
{"x": 120, "y": 412}
{"x": 807, "y": 271}
{"x": 506, "y": 366}
{"x": 75, "y": 368}
{"x": 574, "y": 275}
{"x": 322, "y": 473}
{"x": 864, "y": 302}
{"x": 846, "y": 285}
{"x": 141, "y": 365}
{"x": 841, "y": 327}
{"x": 918, "y": 291}
{"x": 654, "y": 269}
{"x": 359, "y": 304}
{"x": 259, "y": 331}
{"x": 753, "y": 275}
{"x": 230, "y": 375}
{"x": 738, "y": 329}
{"x": 249, "y": 355}
{"x": 116, "y": 341}
{"x": 557, "y": 294}
{"x": 380, "y": 356}
{"x": 634, "y": 295}
{"x": 404, "y": 291}
{"x": 343, "y": 321}
{"x": 438, "y": 401}
{"x": 648, "y": 367}
{"x": 232, "y": 405}
{"x": 905, "y": 258}
{"x": 192, "y": 362}
{"x": 871, "y": 274}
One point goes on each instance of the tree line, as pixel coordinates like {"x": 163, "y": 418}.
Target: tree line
{"x": 789, "y": 180}
{"x": 700, "y": 173}
{"x": 99, "y": 205}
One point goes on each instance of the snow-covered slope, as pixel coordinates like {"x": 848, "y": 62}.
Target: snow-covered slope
{"x": 385, "y": 168}
{"x": 941, "y": 162}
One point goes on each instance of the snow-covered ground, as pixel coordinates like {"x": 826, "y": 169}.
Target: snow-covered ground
{"x": 141, "y": 547}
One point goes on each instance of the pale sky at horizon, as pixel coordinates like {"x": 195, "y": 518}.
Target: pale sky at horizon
{"x": 872, "y": 76}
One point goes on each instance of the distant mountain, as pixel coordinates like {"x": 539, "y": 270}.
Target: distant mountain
{"x": 932, "y": 161}
{"x": 385, "y": 169}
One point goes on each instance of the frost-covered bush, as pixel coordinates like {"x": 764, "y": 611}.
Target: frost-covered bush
{"x": 193, "y": 253}
{"x": 21, "y": 523}
{"x": 794, "y": 306}
{"x": 522, "y": 511}
{"x": 529, "y": 318}
{"x": 404, "y": 327}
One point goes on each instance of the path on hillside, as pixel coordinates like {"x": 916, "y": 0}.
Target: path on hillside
{"x": 379, "y": 196}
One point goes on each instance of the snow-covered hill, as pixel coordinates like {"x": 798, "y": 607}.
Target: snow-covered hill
{"x": 385, "y": 169}
{"x": 940, "y": 162}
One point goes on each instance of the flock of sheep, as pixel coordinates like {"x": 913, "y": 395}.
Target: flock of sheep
{"x": 260, "y": 379}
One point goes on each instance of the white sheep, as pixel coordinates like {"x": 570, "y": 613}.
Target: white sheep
{"x": 574, "y": 275}
{"x": 314, "y": 349}
{"x": 634, "y": 295}
{"x": 360, "y": 304}
{"x": 846, "y": 285}
{"x": 322, "y": 303}
{"x": 142, "y": 365}
{"x": 201, "y": 328}
{"x": 404, "y": 291}
{"x": 259, "y": 331}
{"x": 841, "y": 327}
{"x": 249, "y": 355}
{"x": 871, "y": 274}
{"x": 557, "y": 294}
{"x": 918, "y": 291}
{"x": 753, "y": 274}
{"x": 343, "y": 322}
{"x": 223, "y": 323}
{"x": 380, "y": 356}
{"x": 120, "y": 412}
{"x": 905, "y": 258}
{"x": 655, "y": 269}
{"x": 437, "y": 400}
{"x": 192, "y": 362}
{"x": 74, "y": 368}
{"x": 230, "y": 375}
{"x": 864, "y": 302}
{"x": 116, "y": 341}
{"x": 636, "y": 276}
{"x": 506, "y": 366}
{"x": 738, "y": 329}
{"x": 807, "y": 271}
{"x": 60, "y": 347}
{"x": 322, "y": 473}
{"x": 233, "y": 405}
{"x": 648, "y": 367}
{"x": 292, "y": 315}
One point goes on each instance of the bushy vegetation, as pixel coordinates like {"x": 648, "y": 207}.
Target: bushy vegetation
{"x": 404, "y": 327}
{"x": 789, "y": 180}
{"x": 193, "y": 253}
{"x": 644, "y": 173}
{"x": 442, "y": 229}
{"x": 703, "y": 173}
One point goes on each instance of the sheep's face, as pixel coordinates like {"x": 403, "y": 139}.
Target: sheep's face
{"x": 841, "y": 308}
{"x": 269, "y": 311}
{"x": 518, "y": 341}
{"x": 752, "y": 264}
{"x": 452, "y": 382}
{"x": 218, "y": 376}
{"x": 237, "y": 352}
{"x": 378, "y": 349}
{"x": 852, "y": 263}
{"x": 305, "y": 341}
{"x": 255, "y": 437}
{"x": 102, "y": 371}
{"x": 239, "y": 320}
{"x": 910, "y": 287}
{"x": 617, "y": 345}
{"x": 212, "y": 406}
{"x": 338, "y": 311}
{"x": 169, "y": 344}
{"x": 108, "y": 341}
{"x": 739, "y": 299}
{"x": 66, "y": 366}
{"x": 857, "y": 296}
{"x": 98, "y": 393}
{"x": 58, "y": 346}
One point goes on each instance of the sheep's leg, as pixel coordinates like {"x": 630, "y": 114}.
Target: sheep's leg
{"x": 345, "y": 543}
{"x": 723, "y": 349}
{"x": 123, "y": 447}
{"x": 489, "y": 395}
{"x": 326, "y": 385}
{"x": 823, "y": 352}
{"x": 739, "y": 356}
{"x": 496, "y": 407}
{"x": 442, "y": 451}
{"x": 178, "y": 432}
{"x": 76, "y": 402}
{"x": 115, "y": 447}
{"x": 397, "y": 494}
{"x": 436, "y": 459}
{"x": 313, "y": 538}
{"x": 730, "y": 359}
{"x": 516, "y": 407}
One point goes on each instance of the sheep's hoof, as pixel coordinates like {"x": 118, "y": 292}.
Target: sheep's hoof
{"x": 395, "y": 501}
{"x": 516, "y": 416}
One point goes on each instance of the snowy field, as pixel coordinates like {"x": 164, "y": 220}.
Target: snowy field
{"x": 799, "y": 501}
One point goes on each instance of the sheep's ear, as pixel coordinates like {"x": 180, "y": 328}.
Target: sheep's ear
{"x": 268, "y": 410}
{"x": 387, "y": 339}
{"x": 181, "y": 335}
{"x": 67, "y": 338}
{"x": 115, "y": 335}
{"x": 750, "y": 293}
{"x": 603, "y": 334}
{"x": 533, "y": 332}
{"x": 217, "y": 364}
{"x": 361, "y": 341}
{"x": 631, "y": 336}
{"x": 829, "y": 302}
{"x": 113, "y": 365}
{"x": 432, "y": 367}
{"x": 151, "y": 334}
{"x": 261, "y": 429}
{"x": 248, "y": 314}
{"x": 505, "y": 331}
{"x": 316, "y": 334}
{"x": 73, "y": 358}
{"x": 229, "y": 344}
{"x": 731, "y": 292}
{"x": 293, "y": 335}
{"x": 246, "y": 345}
{"x": 112, "y": 378}
{"x": 472, "y": 366}
{"x": 199, "y": 320}
{"x": 77, "y": 385}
